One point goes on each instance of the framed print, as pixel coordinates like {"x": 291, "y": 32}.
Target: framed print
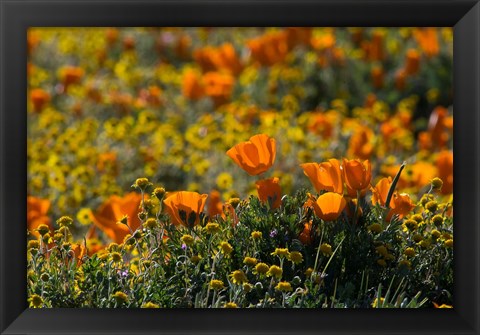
{"x": 199, "y": 166}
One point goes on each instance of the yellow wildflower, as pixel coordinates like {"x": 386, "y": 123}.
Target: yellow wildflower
{"x": 275, "y": 271}
{"x": 409, "y": 252}
{"x": 238, "y": 277}
{"x": 187, "y": 239}
{"x": 216, "y": 284}
{"x": 65, "y": 221}
{"x": 437, "y": 183}
{"x": 376, "y": 302}
{"x": 448, "y": 243}
{"x": 284, "y": 286}
{"x": 250, "y": 261}
{"x": 281, "y": 252}
{"x": 256, "y": 235}
{"x": 35, "y": 301}
{"x": 212, "y": 228}
{"x": 296, "y": 257}
{"x": 230, "y": 305}
{"x": 120, "y": 297}
{"x": 226, "y": 248}
{"x": 375, "y": 228}
{"x": 261, "y": 268}
{"x": 326, "y": 249}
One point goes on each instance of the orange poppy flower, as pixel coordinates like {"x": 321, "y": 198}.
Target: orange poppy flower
{"x": 182, "y": 47}
{"x": 376, "y": 47}
{"x": 325, "y": 176}
{"x": 306, "y": 235}
{"x": 325, "y": 40}
{"x": 309, "y": 202}
{"x": 223, "y": 58}
{"x": 421, "y": 173}
{"x": 388, "y": 128}
{"x": 356, "y": 35}
{"x": 39, "y": 98}
{"x": 71, "y": 75}
{"x": 357, "y": 175}
{"x": 192, "y": 86}
{"x": 269, "y": 191}
{"x": 424, "y": 140}
{"x": 149, "y": 97}
{"x": 256, "y": 155}
{"x": 218, "y": 86}
{"x": 94, "y": 245}
{"x": 380, "y": 191}
{"x": 400, "y": 204}
{"x": 229, "y": 59}
{"x": 270, "y": 48}
{"x": 229, "y": 211}
{"x": 412, "y": 63}
{"x": 94, "y": 93}
{"x": 329, "y": 206}
{"x": 323, "y": 123}
{"x": 112, "y": 210}
{"x": 370, "y": 100}
{"x": 129, "y": 43}
{"x": 33, "y": 39}
{"x": 444, "y": 164}
{"x": 37, "y": 209}
{"x": 91, "y": 232}
{"x": 298, "y": 35}
{"x": 121, "y": 100}
{"x": 378, "y": 77}
{"x": 30, "y": 69}
{"x": 215, "y": 206}
{"x": 400, "y": 78}
{"x": 185, "y": 207}
{"x": 111, "y": 36}
{"x": 79, "y": 252}
{"x": 205, "y": 57}
{"x": 107, "y": 161}
{"x": 360, "y": 144}
{"x": 427, "y": 39}
{"x": 437, "y": 126}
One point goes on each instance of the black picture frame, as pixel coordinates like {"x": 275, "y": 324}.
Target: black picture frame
{"x": 17, "y": 15}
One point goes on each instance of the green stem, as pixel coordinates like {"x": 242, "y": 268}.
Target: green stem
{"x": 331, "y": 257}
{"x": 316, "y": 258}
{"x": 355, "y": 215}
{"x": 271, "y": 284}
{"x": 334, "y": 293}
{"x": 186, "y": 273}
{"x": 213, "y": 299}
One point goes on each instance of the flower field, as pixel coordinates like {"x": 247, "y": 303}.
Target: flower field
{"x": 240, "y": 167}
